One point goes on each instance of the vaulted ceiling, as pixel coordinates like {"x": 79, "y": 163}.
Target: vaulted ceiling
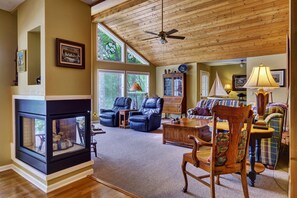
{"x": 214, "y": 29}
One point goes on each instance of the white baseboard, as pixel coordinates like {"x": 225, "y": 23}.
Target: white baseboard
{"x": 42, "y": 186}
{"x": 48, "y": 188}
{"x": 69, "y": 180}
{"x": 5, "y": 168}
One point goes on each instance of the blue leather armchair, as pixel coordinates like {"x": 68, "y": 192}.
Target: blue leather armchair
{"x": 148, "y": 117}
{"x": 110, "y": 117}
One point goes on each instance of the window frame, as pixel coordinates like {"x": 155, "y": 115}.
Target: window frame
{"x": 108, "y": 71}
{"x": 113, "y": 37}
{"x": 143, "y": 61}
{"x": 124, "y": 48}
{"x": 125, "y": 72}
{"x": 138, "y": 73}
{"x": 141, "y": 73}
{"x": 204, "y": 73}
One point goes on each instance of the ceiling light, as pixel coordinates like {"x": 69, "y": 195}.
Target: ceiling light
{"x": 163, "y": 41}
{"x": 242, "y": 64}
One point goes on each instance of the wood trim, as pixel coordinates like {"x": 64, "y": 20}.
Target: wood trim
{"x": 293, "y": 98}
{"x": 114, "y": 187}
{"x": 101, "y": 15}
{"x": 95, "y": 2}
{"x": 42, "y": 186}
{"x": 5, "y": 167}
{"x": 124, "y": 48}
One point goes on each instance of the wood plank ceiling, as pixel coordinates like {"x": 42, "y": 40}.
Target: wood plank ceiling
{"x": 214, "y": 29}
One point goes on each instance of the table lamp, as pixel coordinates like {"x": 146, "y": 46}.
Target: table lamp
{"x": 135, "y": 87}
{"x": 228, "y": 88}
{"x": 261, "y": 78}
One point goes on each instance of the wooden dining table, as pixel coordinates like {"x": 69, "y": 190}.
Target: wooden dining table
{"x": 254, "y": 148}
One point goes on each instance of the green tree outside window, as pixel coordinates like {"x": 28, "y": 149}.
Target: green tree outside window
{"x": 132, "y": 59}
{"x": 108, "y": 48}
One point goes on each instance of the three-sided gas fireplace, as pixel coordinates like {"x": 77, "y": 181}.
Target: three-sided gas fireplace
{"x": 52, "y": 135}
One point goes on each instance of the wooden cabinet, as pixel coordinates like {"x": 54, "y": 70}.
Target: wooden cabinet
{"x": 174, "y": 93}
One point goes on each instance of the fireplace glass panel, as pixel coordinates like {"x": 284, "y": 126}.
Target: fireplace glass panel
{"x": 34, "y": 134}
{"x": 68, "y": 135}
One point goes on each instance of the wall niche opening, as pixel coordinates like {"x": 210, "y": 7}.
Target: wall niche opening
{"x": 34, "y": 60}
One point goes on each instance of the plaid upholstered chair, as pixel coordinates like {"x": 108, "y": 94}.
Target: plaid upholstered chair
{"x": 226, "y": 153}
{"x": 270, "y": 147}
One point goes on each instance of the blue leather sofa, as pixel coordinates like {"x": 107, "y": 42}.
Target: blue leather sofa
{"x": 110, "y": 117}
{"x": 148, "y": 117}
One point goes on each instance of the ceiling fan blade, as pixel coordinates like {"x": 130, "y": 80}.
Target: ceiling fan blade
{"x": 171, "y": 31}
{"x": 176, "y": 37}
{"x": 150, "y": 38}
{"x": 151, "y": 32}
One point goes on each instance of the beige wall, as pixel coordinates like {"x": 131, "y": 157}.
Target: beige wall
{"x": 278, "y": 61}
{"x": 56, "y": 19}
{"x": 225, "y": 73}
{"x": 30, "y": 16}
{"x": 69, "y": 20}
{"x": 191, "y": 82}
{"x": 8, "y": 47}
{"x": 33, "y": 57}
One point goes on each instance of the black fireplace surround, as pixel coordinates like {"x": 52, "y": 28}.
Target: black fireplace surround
{"x": 52, "y": 135}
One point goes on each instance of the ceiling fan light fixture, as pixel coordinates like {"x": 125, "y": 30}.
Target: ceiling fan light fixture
{"x": 162, "y": 34}
{"x": 163, "y": 41}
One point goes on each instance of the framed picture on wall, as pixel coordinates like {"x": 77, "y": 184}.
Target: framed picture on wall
{"x": 70, "y": 54}
{"x": 279, "y": 75}
{"x": 21, "y": 61}
{"x": 238, "y": 81}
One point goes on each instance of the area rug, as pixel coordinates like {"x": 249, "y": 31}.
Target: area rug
{"x": 139, "y": 163}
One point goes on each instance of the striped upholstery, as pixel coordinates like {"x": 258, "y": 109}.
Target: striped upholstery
{"x": 210, "y": 103}
{"x": 274, "y": 117}
{"x": 230, "y": 103}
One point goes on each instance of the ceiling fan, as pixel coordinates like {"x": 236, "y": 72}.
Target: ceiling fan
{"x": 163, "y": 35}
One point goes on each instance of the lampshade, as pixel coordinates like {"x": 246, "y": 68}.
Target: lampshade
{"x": 135, "y": 87}
{"x": 227, "y": 87}
{"x": 261, "y": 78}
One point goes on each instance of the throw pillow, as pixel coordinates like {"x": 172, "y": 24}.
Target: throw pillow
{"x": 202, "y": 111}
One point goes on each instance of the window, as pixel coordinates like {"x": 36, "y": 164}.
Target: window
{"x": 110, "y": 86}
{"x": 109, "y": 48}
{"x": 137, "y": 96}
{"x": 134, "y": 58}
{"x": 204, "y": 83}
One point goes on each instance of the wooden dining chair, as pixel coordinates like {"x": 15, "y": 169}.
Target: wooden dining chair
{"x": 226, "y": 153}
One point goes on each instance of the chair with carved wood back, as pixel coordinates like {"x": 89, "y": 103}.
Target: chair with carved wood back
{"x": 226, "y": 153}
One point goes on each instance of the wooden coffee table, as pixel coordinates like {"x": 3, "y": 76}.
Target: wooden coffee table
{"x": 178, "y": 133}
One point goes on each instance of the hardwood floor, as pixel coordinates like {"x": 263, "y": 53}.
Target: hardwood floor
{"x": 13, "y": 185}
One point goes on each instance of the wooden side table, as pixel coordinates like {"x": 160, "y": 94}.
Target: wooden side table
{"x": 123, "y": 117}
